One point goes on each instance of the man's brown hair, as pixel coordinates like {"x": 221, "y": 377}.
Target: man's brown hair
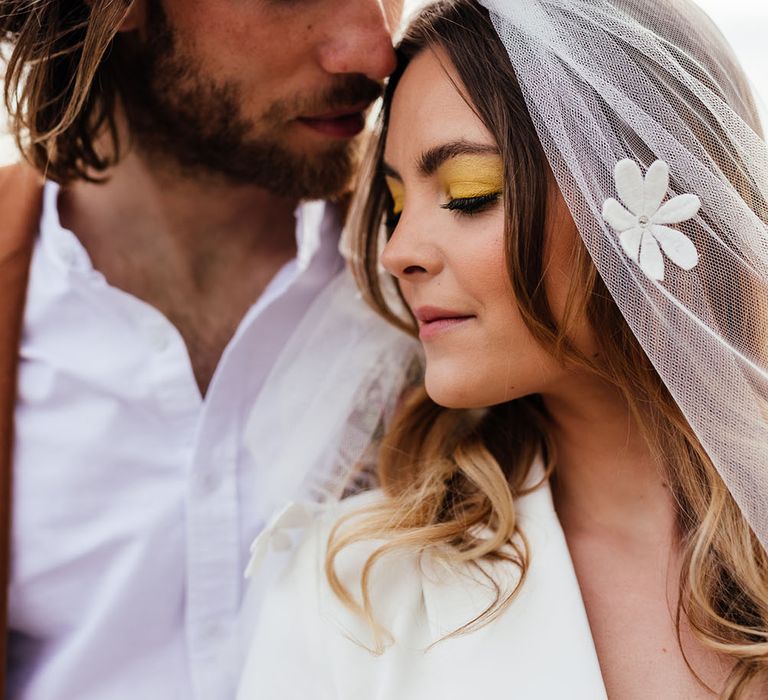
{"x": 60, "y": 90}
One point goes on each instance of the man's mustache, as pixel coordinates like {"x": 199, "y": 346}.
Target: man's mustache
{"x": 350, "y": 92}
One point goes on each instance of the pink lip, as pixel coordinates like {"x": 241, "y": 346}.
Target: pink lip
{"x": 341, "y": 123}
{"x": 434, "y": 321}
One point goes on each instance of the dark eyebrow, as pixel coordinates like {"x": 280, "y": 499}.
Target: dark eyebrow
{"x": 432, "y": 159}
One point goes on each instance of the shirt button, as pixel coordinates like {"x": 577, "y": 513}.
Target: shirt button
{"x": 214, "y": 630}
{"x": 208, "y": 483}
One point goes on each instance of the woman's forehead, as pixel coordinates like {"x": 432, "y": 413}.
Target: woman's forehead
{"x": 429, "y": 109}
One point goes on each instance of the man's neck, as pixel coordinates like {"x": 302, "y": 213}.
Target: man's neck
{"x": 199, "y": 250}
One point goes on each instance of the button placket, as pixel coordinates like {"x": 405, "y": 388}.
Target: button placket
{"x": 213, "y": 544}
{"x": 208, "y": 483}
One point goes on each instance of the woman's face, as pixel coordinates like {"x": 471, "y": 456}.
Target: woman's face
{"x": 447, "y": 251}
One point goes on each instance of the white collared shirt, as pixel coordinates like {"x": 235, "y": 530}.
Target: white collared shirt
{"x": 134, "y": 498}
{"x": 540, "y": 646}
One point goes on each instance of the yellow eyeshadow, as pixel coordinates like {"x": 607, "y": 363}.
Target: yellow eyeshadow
{"x": 397, "y": 192}
{"x": 472, "y": 176}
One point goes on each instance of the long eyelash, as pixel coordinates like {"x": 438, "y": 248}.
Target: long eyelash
{"x": 390, "y": 218}
{"x": 472, "y": 205}
{"x": 464, "y": 205}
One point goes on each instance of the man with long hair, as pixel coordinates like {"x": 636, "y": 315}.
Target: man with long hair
{"x": 162, "y": 257}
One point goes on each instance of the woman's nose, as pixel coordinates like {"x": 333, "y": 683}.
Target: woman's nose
{"x": 409, "y": 254}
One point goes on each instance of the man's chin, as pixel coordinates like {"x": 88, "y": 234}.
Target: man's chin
{"x": 325, "y": 180}
{"x": 323, "y": 172}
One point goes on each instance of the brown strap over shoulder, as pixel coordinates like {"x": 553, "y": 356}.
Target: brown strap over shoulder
{"x": 21, "y": 190}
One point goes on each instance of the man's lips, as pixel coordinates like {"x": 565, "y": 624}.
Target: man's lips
{"x": 434, "y": 320}
{"x": 341, "y": 123}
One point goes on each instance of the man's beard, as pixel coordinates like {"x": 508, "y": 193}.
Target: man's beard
{"x": 185, "y": 120}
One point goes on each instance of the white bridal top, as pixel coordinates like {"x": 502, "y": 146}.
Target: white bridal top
{"x": 306, "y": 644}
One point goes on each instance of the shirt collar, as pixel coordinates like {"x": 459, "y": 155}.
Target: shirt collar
{"x": 317, "y": 231}
{"x": 61, "y": 245}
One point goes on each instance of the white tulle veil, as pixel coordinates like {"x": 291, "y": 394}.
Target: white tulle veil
{"x": 329, "y": 395}
{"x": 652, "y": 134}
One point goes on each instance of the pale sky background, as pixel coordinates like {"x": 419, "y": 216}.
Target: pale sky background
{"x": 744, "y": 23}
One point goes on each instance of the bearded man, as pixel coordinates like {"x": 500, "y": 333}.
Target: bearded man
{"x": 155, "y": 262}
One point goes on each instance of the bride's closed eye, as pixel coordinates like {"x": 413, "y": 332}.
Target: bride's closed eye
{"x": 472, "y": 205}
{"x": 470, "y": 182}
{"x": 391, "y": 220}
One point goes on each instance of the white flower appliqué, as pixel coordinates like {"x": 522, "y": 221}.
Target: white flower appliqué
{"x": 644, "y": 227}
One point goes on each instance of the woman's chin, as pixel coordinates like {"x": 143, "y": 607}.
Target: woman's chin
{"x": 462, "y": 385}
{"x": 454, "y": 393}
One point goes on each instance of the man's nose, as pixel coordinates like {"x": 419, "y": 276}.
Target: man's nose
{"x": 360, "y": 39}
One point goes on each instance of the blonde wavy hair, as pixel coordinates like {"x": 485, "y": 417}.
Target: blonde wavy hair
{"x": 448, "y": 474}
